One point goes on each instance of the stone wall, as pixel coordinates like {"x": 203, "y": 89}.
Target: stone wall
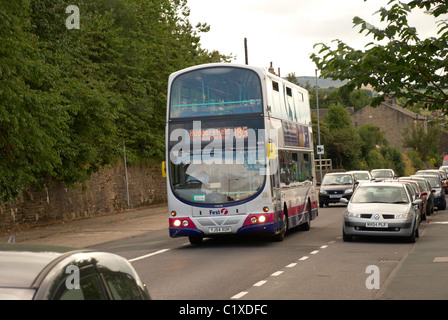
{"x": 104, "y": 193}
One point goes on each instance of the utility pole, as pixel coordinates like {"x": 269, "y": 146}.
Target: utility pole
{"x": 318, "y": 129}
{"x": 245, "y": 51}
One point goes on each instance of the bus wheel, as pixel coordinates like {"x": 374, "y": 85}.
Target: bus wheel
{"x": 281, "y": 236}
{"x": 195, "y": 240}
{"x": 307, "y": 225}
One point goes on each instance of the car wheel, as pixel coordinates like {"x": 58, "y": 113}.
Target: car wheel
{"x": 412, "y": 237}
{"x": 346, "y": 237}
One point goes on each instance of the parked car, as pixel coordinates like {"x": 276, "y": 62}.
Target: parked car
{"x": 361, "y": 176}
{"x": 381, "y": 209}
{"x": 444, "y": 168}
{"x": 380, "y": 174}
{"x": 440, "y": 173}
{"x": 418, "y": 194}
{"x": 437, "y": 188}
{"x": 53, "y": 273}
{"x": 335, "y": 186}
{"x": 428, "y": 193}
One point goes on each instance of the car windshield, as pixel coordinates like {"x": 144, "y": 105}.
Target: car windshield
{"x": 380, "y": 194}
{"x": 361, "y": 176}
{"x": 381, "y": 174}
{"x": 434, "y": 181}
{"x": 422, "y": 184}
{"x": 337, "y": 179}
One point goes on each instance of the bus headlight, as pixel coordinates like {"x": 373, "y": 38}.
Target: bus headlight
{"x": 177, "y": 223}
{"x": 173, "y": 213}
{"x": 262, "y": 219}
{"x": 185, "y": 223}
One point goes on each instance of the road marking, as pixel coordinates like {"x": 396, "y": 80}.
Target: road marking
{"x": 291, "y": 265}
{"x": 277, "y": 273}
{"x": 314, "y": 252}
{"x": 239, "y": 295}
{"x": 148, "y": 255}
{"x": 324, "y": 246}
{"x": 260, "y": 283}
{"x": 440, "y": 259}
{"x": 303, "y": 258}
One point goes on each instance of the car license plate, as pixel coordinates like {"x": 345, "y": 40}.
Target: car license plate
{"x": 335, "y": 195}
{"x": 377, "y": 224}
{"x": 219, "y": 229}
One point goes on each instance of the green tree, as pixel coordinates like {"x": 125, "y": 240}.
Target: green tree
{"x": 426, "y": 144}
{"x": 372, "y": 138}
{"x": 343, "y": 144}
{"x": 397, "y": 62}
{"x": 69, "y": 98}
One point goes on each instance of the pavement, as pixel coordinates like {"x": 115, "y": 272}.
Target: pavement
{"x": 91, "y": 231}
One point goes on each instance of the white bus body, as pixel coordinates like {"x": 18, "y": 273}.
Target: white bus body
{"x": 239, "y": 153}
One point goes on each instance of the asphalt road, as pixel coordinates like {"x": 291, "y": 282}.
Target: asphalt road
{"x": 307, "y": 265}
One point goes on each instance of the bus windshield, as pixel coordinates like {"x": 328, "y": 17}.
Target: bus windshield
{"x": 220, "y": 163}
{"x": 215, "y": 91}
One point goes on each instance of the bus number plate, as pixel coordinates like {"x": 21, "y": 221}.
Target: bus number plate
{"x": 219, "y": 229}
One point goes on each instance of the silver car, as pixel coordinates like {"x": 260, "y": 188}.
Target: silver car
{"x": 378, "y": 209}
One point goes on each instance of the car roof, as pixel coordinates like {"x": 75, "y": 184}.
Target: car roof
{"x": 379, "y": 184}
{"x": 21, "y": 263}
{"x": 337, "y": 173}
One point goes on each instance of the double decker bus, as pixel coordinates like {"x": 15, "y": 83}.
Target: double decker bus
{"x": 239, "y": 153}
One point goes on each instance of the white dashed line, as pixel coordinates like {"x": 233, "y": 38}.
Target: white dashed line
{"x": 148, "y": 255}
{"x": 260, "y": 283}
{"x": 239, "y": 295}
{"x": 275, "y": 274}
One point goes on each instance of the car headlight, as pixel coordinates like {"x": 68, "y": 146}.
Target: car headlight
{"x": 352, "y": 214}
{"x": 403, "y": 215}
{"x": 323, "y": 192}
{"x": 348, "y": 191}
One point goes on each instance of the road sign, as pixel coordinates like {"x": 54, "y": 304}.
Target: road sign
{"x": 320, "y": 149}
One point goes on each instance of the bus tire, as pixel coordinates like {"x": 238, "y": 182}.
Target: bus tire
{"x": 281, "y": 235}
{"x": 195, "y": 240}
{"x": 307, "y": 225}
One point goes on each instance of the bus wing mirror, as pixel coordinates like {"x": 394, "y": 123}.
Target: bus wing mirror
{"x": 164, "y": 169}
{"x": 271, "y": 151}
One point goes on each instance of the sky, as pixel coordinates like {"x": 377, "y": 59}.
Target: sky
{"x": 284, "y": 31}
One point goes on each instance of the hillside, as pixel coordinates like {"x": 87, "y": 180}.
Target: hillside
{"x": 321, "y": 82}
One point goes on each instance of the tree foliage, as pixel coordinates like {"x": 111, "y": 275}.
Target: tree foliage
{"x": 405, "y": 66}
{"x": 70, "y": 97}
